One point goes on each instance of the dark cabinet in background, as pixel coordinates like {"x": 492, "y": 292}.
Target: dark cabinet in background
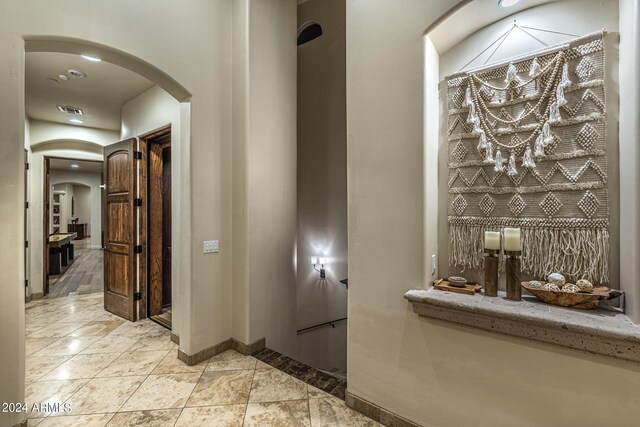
{"x": 80, "y": 229}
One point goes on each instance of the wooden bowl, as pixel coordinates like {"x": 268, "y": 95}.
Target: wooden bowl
{"x": 583, "y": 300}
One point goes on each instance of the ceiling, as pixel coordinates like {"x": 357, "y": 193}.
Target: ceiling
{"x": 83, "y": 166}
{"x": 100, "y": 95}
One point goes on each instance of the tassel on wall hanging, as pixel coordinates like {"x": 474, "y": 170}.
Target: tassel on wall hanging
{"x": 547, "y": 114}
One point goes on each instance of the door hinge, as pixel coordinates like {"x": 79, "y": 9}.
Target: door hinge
{"x": 26, "y": 166}
{"x": 26, "y": 205}
{"x": 26, "y": 243}
{"x": 137, "y": 249}
{"x": 26, "y": 283}
{"x": 137, "y": 202}
{"x": 137, "y": 155}
{"x": 137, "y": 296}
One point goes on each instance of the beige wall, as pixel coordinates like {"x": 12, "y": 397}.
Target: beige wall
{"x": 82, "y": 198}
{"x": 91, "y": 181}
{"x": 270, "y": 174}
{"x": 147, "y": 112}
{"x": 422, "y": 369}
{"x": 322, "y": 185}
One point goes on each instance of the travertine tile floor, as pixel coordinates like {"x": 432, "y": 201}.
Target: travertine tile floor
{"x": 117, "y": 373}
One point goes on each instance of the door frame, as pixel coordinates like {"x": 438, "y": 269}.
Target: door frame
{"x": 149, "y": 141}
{"x": 46, "y": 178}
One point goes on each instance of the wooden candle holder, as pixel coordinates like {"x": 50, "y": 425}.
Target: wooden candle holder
{"x": 491, "y": 261}
{"x": 514, "y": 275}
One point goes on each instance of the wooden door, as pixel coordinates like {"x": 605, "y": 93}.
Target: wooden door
{"x": 166, "y": 227}
{"x": 121, "y": 232}
{"x": 46, "y": 203}
{"x": 159, "y": 222}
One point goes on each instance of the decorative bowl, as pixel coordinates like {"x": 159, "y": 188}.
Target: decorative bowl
{"x": 457, "y": 281}
{"x": 583, "y": 300}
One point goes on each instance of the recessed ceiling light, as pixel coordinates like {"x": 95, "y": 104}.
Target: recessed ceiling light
{"x": 91, "y": 58}
{"x": 507, "y": 3}
{"x": 75, "y": 165}
{"x": 63, "y": 77}
{"x": 76, "y": 73}
{"x": 76, "y": 121}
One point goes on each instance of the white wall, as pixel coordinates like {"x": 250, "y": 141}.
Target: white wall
{"x": 93, "y": 180}
{"x": 264, "y": 173}
{"x": 147, "y": 112}
{"x": 322, "y": 186}
{"x": 271, "y": 173}
{"x": 82, "y": 197}
{"x": 426, "y": 370}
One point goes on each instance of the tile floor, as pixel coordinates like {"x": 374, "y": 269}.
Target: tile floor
{"x": 116, "y": 373}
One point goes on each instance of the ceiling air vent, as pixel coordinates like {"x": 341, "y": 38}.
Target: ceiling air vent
{"x": 70, "y": 110}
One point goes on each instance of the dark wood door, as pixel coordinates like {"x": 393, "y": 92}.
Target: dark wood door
{"x": 46, "y": 202}
{"x": 120, "y": 229}
{"x": 166, "y": 227}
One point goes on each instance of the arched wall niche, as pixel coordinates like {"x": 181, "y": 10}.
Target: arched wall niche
{"x": 68, "y": 144}
{"x": 449, "y": 46}
{"x": 39, "y": 43}
{"x": 88, "y": 144}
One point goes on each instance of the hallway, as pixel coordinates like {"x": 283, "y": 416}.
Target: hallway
{"x": 85, "y": 274}
{"x": 117, "y": 373}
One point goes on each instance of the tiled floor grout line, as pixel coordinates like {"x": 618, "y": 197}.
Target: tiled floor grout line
{"x": 246, "y": 407}
{"x": 134, "y": 392}
{"x": 309, "y": 405}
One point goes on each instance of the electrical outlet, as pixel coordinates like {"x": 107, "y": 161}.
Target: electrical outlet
{"x": 211, "y": 246}
{"x": 433, "y": 264}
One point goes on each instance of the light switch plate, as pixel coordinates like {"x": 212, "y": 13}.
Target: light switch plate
{"x": 211, "y": 246}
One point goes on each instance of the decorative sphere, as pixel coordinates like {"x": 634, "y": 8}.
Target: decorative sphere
{"x": 584, "y": 285}
{"x": 570, "y": 287}
{"x": 557, "y": 279}
{"x": 534, "y": 284}
{"x": 551, "y": 287}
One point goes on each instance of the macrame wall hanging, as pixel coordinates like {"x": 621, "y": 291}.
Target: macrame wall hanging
{"x": 526, "y": 148}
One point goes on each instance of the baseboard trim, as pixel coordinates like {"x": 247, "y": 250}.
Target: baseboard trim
{"x": 202, "y": 355}
{"x": 248, "y": 349}
{"x": 376, "y": 413}
{"x": 208, "y": 353}
{"x": 175, "y": 338}
{"x": 27, "y": 298}
{"x": 37, "y": 295}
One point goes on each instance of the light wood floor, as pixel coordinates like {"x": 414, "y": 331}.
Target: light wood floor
{"x": 85, "y": 275}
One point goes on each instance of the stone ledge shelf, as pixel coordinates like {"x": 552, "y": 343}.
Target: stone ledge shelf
{"x": 604, "y": 331}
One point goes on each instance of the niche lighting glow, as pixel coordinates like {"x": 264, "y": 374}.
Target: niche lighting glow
{"x": 76, "y": 121}
{"x": 91, "y": 58}
{"x": 508, "y": 3}
{"x": 321, "y": 261}
{"x": 75, "y": 165}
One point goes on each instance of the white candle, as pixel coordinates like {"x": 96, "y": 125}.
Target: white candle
{"x": 512, "y": 239}
{"x": 492, "y": 240}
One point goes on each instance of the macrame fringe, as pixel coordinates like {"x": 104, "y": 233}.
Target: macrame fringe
{"x": 576, "y": 253}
